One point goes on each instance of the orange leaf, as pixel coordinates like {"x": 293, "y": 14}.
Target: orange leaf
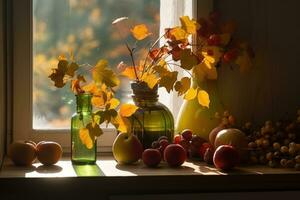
{"x": 140, "y": 32}
{"x": 129, "y": 72}
{"x": 75, "y": 84}
{"x": 179, "y": 34}
{"x": 85, "y": 138}
{"x": 126, "y": 110}
{"x": 90, "y": 88}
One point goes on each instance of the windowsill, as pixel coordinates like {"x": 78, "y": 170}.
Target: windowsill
{"x": 111, "y": 178}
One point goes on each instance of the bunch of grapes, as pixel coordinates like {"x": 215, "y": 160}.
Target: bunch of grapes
{"x": 275, "y": 144}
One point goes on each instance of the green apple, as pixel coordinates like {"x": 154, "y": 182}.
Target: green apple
{"x": 127, "y": 148}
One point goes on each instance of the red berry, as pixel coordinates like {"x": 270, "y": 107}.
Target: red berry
{"x": 214, "y": 40}
{"x": 186, "y": 145}
{"x": 163, "y": 144}
{"x": 230, "y": 55}
{"x": 187, "y": 134}
{"x": 203, "y": 148}
{"x": 177, "y": 139}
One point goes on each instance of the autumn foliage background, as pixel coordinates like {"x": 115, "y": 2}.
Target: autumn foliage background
{"x": 84, "y": 26}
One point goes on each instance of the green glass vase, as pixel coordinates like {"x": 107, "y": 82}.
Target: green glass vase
{"x": 80, "y": 154}
{"x": 199, "y": 119}
{"x": 153, "y": 119}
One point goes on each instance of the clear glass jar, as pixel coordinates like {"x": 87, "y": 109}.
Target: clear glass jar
{"x": 80, "y": 154}
{"x": 153, "y": 119}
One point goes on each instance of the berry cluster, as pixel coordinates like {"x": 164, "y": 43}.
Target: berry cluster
{"x": 275, "y": 144}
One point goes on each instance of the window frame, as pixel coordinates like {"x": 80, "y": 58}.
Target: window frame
{"x": 22, "y": 82}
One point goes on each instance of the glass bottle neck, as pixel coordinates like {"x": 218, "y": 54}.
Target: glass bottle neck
{"x": 83, "y": 102}
{"x": 141, "y": 101}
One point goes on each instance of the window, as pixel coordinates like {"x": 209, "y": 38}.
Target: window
{"x": 43, "y": 29}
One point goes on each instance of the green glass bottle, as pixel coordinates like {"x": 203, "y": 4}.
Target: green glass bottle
{"x": 153, "y": 119}
{"x": 80, "y": 154}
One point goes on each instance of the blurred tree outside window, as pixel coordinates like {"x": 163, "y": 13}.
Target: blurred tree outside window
{"x": 83, "y": 26}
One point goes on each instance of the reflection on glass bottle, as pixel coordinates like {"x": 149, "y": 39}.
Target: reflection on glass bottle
{"x": 80, "y": 154}
{"x": 152, "y": 119}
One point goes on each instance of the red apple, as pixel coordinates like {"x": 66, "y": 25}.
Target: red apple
{"x": 235, "y": 138}
{"x": 127, "y": 148}
{"x": 213, "y": 134}
{"x": 151, "y": 157}
{"x": 175, "y": 155}
{"x": 226, "y": 157}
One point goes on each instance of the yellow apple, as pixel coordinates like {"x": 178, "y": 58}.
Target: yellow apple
{"x": 127, "y": 148}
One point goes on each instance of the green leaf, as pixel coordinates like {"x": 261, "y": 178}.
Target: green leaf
{"x": 187, "y": 59}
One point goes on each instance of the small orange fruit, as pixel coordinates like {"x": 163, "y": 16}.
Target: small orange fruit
{"x": 48, "y": 152}
{"x": 22, "y": 153}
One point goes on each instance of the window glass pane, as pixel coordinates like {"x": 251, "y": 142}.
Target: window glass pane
{"x": 85, "y": 27}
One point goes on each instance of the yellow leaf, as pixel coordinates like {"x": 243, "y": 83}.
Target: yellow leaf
{"x": 99, "y": 99}
{"x": 179, "y": 34}
{"x": 140, "y": 32}
{"x": 183, "y": 85}
{"x": 129, "y": 72}
{"x": 114, "y": 103}
{"x": 150, "y": 79}
{"x": 201, "y": 72}
{"x": 190, "y": 26}
{"x": 102, "y": 74}
{"x": 85, "y": 138}
{"x": 126, "y": 110}
{"x": 90, "y": 88}
{"x": 212, "y": 55}
{"x": 191, "y": 94}
{"x": 203, "y": 98}
{"x": 122, "y": 124}
{"x": 72, "y": 68}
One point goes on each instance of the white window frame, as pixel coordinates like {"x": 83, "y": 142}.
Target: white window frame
{"x": 22, "y": 81}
